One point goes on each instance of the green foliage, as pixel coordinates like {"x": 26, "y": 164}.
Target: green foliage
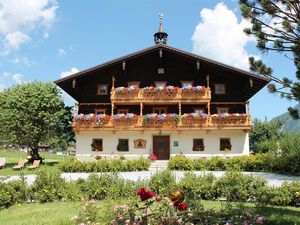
{"x": 162, "y": 182}
{"x": 216, "y": 164}
{"x": 286, "y": 160}
{"x": 48, "y": 187}
{"x": 107, "y": 186}
{"x": 280, "y": 36}
{"x": 12, "y": 192}
{"x": 197, "y": 187}
{"x": 235, "y": 186}
{"x": 115, "y": 165}
{"x": 33, "y": 113}
{"x": 264, "y": 135}
{"x": 180, "y": 162}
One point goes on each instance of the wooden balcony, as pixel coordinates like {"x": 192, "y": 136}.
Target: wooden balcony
{"x": 169, "y": 94}
{"x": 233, "y": 120}
{"x": 154, "y": 122}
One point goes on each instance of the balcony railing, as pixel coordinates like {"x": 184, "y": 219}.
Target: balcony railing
{"x": 163, "y": 121}
{"x": 168, "y": 94}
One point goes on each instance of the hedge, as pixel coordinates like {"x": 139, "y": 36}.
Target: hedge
{"x": 116, "y": 165}
{"x": 252, "y": 163}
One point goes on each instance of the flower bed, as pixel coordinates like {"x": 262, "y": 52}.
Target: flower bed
{"x": 91, "y": 120}
{"x": 161, "y": 120}
{"x": 126, "y": 89}
{"x": 128, "y": 119}
{"x": 194, "y": 119}
{"x": 161, "y": 88}
{"x": 227, "y": 119}
{"x": 194, "y": 88}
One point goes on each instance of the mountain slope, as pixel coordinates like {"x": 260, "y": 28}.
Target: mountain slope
{"x": 289, "y": 124}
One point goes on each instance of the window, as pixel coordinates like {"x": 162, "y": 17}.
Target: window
{"x": 97, "y": 145}
{"x": 134, "y": 84}
{"x": 123, "y": 111}
{"x": 160, "y": 83}
{"x": 187, "y": 83}
{"x": 220, "y": 89}
{"x": 102, "y": 89}
{"x": 222, "y": 110}
{"x": 160, "y": 110}
{"x": 225, "y": 144}
{"x": 198, "y": 145}
{"x": 100, "y": 111}
{"x": 123, "y": 145}
{"x": 199, "y": 110}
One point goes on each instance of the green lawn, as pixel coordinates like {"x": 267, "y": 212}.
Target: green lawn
{"x": 12, "y": 157}
{"x": 60, "y": 213}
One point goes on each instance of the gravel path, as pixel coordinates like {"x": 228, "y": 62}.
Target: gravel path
{"x": 273, "y": 179}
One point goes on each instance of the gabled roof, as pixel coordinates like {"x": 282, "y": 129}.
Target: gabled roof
{"x": 82, "y": 73}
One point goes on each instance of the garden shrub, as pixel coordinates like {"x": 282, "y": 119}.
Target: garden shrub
{"x": 48, "y": 186}
{"x": 216, "y": 164}
{"x": 12, "y": 192}
{"x": 200, "y": 164}
{"x": 116, "y": 165}
{"x": 234, "y": 186}
{"x": 162, "y": 182}
{"x": 181, "y": 162}
{"x": 286, "y": 194}
{"x": 197, "y": 187}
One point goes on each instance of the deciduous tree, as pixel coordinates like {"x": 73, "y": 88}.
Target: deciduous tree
{"x": 34, "y": 113}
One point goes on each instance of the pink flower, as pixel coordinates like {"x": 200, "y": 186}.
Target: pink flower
{"x": 260, "y": 219}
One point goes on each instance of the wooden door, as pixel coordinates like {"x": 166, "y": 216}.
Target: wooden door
{"x": 161, "y": 147}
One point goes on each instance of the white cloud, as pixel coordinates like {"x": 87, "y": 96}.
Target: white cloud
{"x": 9, "y": 79}
{"x": 17, "y": 78}
{"x": 68, "y": 73}
{"x": 15, "y": 39}
{"x": 220, "y": 36}
{"x": 19, "y": 19}
{"x": 23, "y": 61}
{"x": 61, "y": 52}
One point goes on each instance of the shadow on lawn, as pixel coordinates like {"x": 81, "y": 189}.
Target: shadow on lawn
{"x": 278, "y": 215}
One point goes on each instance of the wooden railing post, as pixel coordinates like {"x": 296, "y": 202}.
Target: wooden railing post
{"x": 179, "y": 112}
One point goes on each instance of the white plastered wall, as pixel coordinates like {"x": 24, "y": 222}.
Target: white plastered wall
{"x": 239, "y": 141}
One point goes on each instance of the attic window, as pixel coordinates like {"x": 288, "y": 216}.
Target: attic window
{"x": 102, "y": 89}
{"x": 220, "y": 89}
{"x": 160, "y": 70}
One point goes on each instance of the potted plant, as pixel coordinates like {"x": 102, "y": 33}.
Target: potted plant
{"x": 153, "y": 157}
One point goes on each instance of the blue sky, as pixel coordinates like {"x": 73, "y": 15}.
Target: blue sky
{"x": 46, "y": 39}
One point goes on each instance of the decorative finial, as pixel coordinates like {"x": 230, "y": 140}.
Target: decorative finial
{"x": 160, "y": 37}
{"x": 161, "y": 15}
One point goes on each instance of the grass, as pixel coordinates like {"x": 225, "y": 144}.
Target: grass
{"x": 12, "y": 157}
{"x": 60, "y": 213}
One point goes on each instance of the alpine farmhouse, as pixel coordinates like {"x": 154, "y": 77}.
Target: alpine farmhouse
{"x": 162, "y": 101}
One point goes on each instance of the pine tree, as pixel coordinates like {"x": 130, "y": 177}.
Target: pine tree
{"x": 276, "y": 26}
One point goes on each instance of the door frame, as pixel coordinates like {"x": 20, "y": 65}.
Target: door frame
{"x": 169, "y": 144}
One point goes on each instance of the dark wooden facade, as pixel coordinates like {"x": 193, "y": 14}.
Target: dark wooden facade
{"x": 178, "y": 66}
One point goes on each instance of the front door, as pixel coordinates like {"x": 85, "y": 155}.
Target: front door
{"x": 161, "y": 147}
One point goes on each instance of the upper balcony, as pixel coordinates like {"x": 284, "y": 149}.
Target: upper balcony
{"x": 164, "y": 95}
{"x": 172, "y": 121}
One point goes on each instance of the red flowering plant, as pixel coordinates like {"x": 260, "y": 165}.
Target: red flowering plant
{"x": 151, "y": 209}
{"x": 153, "y": 157}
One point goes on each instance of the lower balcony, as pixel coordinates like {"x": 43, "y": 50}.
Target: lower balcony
{"x": 170, "y": 121}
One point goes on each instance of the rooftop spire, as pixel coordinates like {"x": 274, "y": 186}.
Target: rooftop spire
{"x": 160, "y": 37}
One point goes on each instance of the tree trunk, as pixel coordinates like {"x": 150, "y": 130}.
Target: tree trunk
{"x": 35, "y": 154}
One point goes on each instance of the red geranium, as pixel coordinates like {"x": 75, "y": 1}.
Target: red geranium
{"x": 182, "y": 206}
{"x": 144, "y": 194}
